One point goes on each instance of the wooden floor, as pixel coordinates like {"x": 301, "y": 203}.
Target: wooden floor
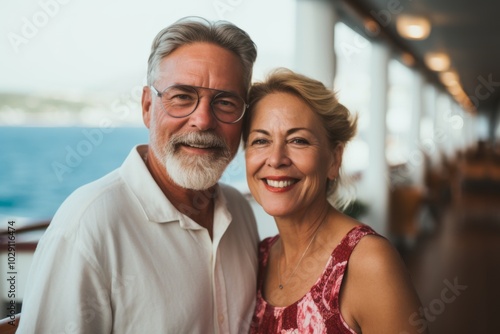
{"x": 456, "y": 268}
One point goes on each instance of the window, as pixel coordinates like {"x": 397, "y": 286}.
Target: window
{"x": 352, "y": 84}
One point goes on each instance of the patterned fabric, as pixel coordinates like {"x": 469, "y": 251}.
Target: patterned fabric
{"x": 318, "y": 311}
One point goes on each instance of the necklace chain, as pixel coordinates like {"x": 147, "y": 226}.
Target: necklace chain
{"x": 281, "y": 285}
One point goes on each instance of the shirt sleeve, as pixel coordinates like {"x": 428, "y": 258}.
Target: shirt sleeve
{"x": 65, "y": 292}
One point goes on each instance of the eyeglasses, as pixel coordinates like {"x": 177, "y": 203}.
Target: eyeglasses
{"x": 182, "y": 100}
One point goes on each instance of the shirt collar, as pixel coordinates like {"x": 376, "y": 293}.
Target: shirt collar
{"x": 155, "y": 204}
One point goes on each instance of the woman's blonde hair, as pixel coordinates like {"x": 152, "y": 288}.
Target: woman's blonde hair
{"x": 339, "y": 124}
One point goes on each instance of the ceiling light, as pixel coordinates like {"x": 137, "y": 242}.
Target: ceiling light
{"x": 455, "y": 90}
{"x": 437, "y": 61}
{"x": 449, "y": 78}
{"x": 407, "y": 59}
{"x": 413, "y": 27}
{"x": 371, "y": 27}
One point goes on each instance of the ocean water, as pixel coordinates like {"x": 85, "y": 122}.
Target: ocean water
{"x": 41, "y": 166}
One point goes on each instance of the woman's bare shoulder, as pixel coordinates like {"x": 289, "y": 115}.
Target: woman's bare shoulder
{"x": 379, "y": 288}
{"x": 376, "y": 253}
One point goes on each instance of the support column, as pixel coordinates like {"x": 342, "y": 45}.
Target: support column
{"x": 447, "y": 123}
{"x": 441, "y": 129}
{"x": 431, "y": 108}
{"x": 494, "y": 121}
{"x": 470, "y": 125}
{"x": 457, "y": 128}
{"x": 314, "y": 48}
{"x": 496, "y": 131}
{"x": 416, "y": 158}
{"x": 375, "y": 183}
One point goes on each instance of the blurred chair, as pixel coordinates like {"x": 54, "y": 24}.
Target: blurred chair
{"x": 405, "y": 204}
{"x": 437, "y": 185}
{"x": 477, "y": 185}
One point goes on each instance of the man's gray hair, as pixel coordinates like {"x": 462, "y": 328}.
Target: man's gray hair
{"x": 195, "y": 29}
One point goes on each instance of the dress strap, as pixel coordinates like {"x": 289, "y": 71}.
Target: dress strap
{"x": 343, "y": 251}
{"x": 328, "y": 289}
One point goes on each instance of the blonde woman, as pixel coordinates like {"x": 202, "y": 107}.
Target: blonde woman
{"x": 325, "y": 272}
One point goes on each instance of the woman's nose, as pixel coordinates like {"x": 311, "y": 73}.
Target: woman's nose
{"x": 278, "y": 156}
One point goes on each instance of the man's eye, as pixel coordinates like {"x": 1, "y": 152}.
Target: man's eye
{"x": 184, "y": 97}
{"x": 224, "y": 103}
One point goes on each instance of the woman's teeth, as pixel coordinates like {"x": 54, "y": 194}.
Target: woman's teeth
{"x": 280, "y": 184}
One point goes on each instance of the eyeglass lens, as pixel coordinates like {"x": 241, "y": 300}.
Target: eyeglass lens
{"x": 180, "y": 101}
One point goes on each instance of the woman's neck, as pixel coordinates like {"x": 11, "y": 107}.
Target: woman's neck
{"x": 297, "y": 231}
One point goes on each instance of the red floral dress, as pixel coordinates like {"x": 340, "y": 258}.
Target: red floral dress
{"x": 318, "y": 311}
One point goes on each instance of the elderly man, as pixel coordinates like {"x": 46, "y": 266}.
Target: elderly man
{"x": 158, "y": 246}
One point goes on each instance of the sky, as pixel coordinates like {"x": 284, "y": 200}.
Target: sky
{"x": 78, "y": 47}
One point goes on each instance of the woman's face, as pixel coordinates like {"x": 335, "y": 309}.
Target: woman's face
{"x": 288, "y": 157}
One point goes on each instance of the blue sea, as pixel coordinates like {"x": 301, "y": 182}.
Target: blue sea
{"x": 41, "y": 166}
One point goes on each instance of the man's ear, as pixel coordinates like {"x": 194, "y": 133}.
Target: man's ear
{"x": 336, "y": 161}
{"x": 146, "y": 103}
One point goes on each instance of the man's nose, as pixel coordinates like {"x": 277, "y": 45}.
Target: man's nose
{"x": 203, "y": 117}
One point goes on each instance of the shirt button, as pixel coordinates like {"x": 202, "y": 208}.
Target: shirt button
{"x": 221, "y": 319}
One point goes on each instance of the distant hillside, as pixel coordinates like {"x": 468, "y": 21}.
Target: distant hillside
{"x": 37, "y": 103}
{"x": 53, "y": 110}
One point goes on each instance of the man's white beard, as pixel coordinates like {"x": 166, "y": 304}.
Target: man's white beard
{"x": 197, "y": 172}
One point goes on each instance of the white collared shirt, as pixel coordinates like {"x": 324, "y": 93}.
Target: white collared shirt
{"x": 119, "y": 258}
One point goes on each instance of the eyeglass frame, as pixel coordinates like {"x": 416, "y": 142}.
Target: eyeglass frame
{"x": 195, "y": 88}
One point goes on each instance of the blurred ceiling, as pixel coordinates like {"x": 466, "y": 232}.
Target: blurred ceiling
{"x": 468, "y": 31}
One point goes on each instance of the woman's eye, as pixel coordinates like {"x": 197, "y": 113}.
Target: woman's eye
{"x": 300, "y": 141}
{"x": 259, "y": 141}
